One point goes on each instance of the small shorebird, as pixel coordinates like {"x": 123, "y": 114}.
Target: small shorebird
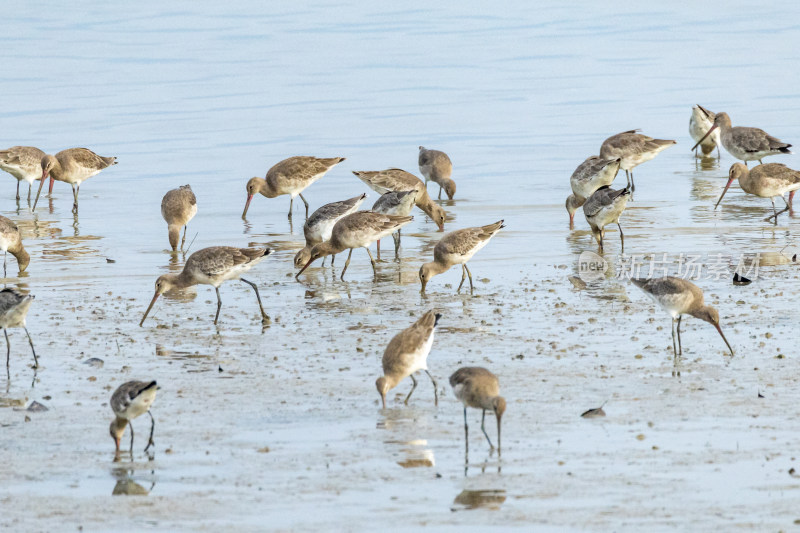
{"x": 632, "y": 149}
{"x": 394, "y": 179}
{"x": 437, "y": 167}
{"x": 678, "y": 297}
{"x": 765, "y": 181}
{"x": 743, "y": 143}
{"x": 178, "y": 207}
{"x": 456, "y": 248}
{"x": 13, "y": 310}
{"x": 593, "y": 173}
{"x": 399, "y": 204}
{"x": 291, "y": 176}
{"x": 24, "y": 163}
{"x": 407, "y": 353}
{"x": 604, "y": 207}
{"x": 213, "y": 266}
{"x": 477, "y": 387}
{"x": 701, "y": 121}
{"x": 320, "y": 224}
{"x": 11, "y": 241}
{"x": 73, "y": 166}
{"x": 129, "y": 401}
{"x": 356, "y": 230}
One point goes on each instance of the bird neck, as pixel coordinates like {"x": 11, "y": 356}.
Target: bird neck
{"x": 174, "y": 235}
{"x": 22, "y": 256}
{"x": 330, "y": 247}
{"x": 435, "y": 268}
{"x": 268, "y": 189}
{"x": 179, "y": 281}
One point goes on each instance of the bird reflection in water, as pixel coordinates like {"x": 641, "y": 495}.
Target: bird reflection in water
{"x": 479, "y": 499}
{"x": 126, "y": 485}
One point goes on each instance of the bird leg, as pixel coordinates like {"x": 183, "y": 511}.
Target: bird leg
{"x": 5, "y": 257}
{"x": 628, "y": 177}
{"x": 471, "y": 288}
{"x": 75, "y": 189}
{"x": 435, "y": 389}
{"x": 35, "y": 361}
{"x": 680, "y": 348}
{"x": 304, "y": 201}
{"x": 346, "y": 264}
{"x": 440, "y": 193}
{"x": 264, "y": 317}
{"x": 412, "y": 388}
{"x": 374, "y": 270}
{"x": 8, "y": 351}
{"x": 152, "y": 429}
{"x": 130, "y": 425}
{"x": 17, "y": 191}
{"x": 791, "y": 197}
{"x": 466, "y": 434}
{"x": 483, "y": 419}
{"x": 291, "y": 201}
{"x": 621, "y": 237}
{"x": 184, "y": 236}
{"x": 379, "y": 249}
{"x": 674, "y": 346}
{"x": 776, "y": 213}
{"x": 29, "y": 193}
{"x": 219, "y": 305}
{"x": 463, "y": 277}
{"x": 396, "y": 237}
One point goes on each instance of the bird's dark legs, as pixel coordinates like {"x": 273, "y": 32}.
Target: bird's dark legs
{"x": 435, "y": 389}
{"x": 680, "y": 348}
{"x": 379, "y": 249}
{"x": 264, "y": 317}
{"x": 674, "y": 346}
{"x": 130, "y": 425}
{"x": 483, "y": 419}
{"x": 5, "y": 257}
{"x": 75, "y": 189}
{"x": 463, "y": 277}
{"x": 219, "y": 305}
{"x": 17, "y": 190}
{"x": 346, "y": 264}
{"x": 35, "y": 360}
{"x": 8, "y": 351}
{"x": 471, "y": 288}
{"x": 374, "y": 270}
{"x": 621, "y": 237}
{"x": 440, "y": 193}
{"x": 152, "y": 429}
{"x": 184, "y": 236}
{"x": 304, "y": 201}
{"x": 291, "y": 201}
{"x": 414, "y": 380}
{"x": 396, "y": 237}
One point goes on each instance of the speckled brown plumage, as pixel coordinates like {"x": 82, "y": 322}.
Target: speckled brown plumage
{"x": 395, "y": 179}
{"x": 178, "y": 207}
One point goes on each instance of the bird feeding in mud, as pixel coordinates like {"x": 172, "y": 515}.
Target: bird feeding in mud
{"x": 593, "y": 173}
{"x": 743, "y": 143}
{"x": 213, "y": 266}
{"x": 13, "y": 310}
{"x": 319, "y": 226}
{"x": 437, "y": 167}
{"x": 456, "y": 248}
{"x": 178, "y": 207}
{"x": 73, "y": 166}
{"x": 406, "y": 354}
{"x": 604, "y": 207}
{"x": 291, "y": 176}
{"x": 478, "y": 388}
{"x": 765, "y": 181}
{"x": 129, "y": 401}
{"x": 632, "y": 149}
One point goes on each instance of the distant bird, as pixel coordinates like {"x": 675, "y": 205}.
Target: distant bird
{"x": 593, "y": 173}
{"x": 765, "y": 181}
{"x": 13, "y": 310}
{"x": 320, "y": 224}
{"x": 632, "y": 149}
{"x": 436, "y": 167}
{"x": 396, "y": 203}
{"x": 24, "y": 163}
{"x": 456, "y": 248}
{"x": 678, "y": 297}
{"x": 356, "y": 230}
{"x": 291, "y": 176}
{"x": 129, "y": 401}
{"x": 213, "y": 266}
{"x": 700, "y": 122}
{"x": 395, "y": 179}
{"x": 743, "y": 143}
{"x": 478, "y": 388}
{"x": 11, "y": 241}
{"x": 178, "y": 207}
{"x": 604, "y": 207}
{"x": 407, "y": 353}
{"x": 73, "y": 166}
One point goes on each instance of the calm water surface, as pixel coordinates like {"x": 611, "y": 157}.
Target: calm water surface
{"x": 289, "y": 434}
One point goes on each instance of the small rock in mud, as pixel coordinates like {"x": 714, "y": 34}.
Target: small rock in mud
{"x": 265, "y": 449}
{"x": 36, "y": 407}
{"x": 594, "y": 413}
{"x": 110, "y": 260}
{"x": 94, "y": 362}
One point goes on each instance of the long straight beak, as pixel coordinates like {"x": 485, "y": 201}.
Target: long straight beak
{"x": 247, "y": 205}
{"x": 304, "y": 268}
{"x": 726, "y": 340}
{"x": 50, "y": 187}
{"x": 730, "y": 180}
{"x": 153, "y": 301}
{"x": 44, "y": 177}
{"x": 704, "y": 137}
{"x": 422, "y": 290}
{"x": 383, "y": 399}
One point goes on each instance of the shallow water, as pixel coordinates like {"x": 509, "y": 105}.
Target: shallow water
{"x": 281, "y": 429}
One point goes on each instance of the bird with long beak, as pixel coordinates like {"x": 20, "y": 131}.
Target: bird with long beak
{"x": 356, "y": 230}
{"x": 604, "y": 207}
{"x": 319, "y": 226}
{"x": 593, "y": 173}
{"x": 478, "y": 388}
{"x": 24, "y": 163}
{"x": 73, "y": 166}
{"x": 678, "y": 297}
{"x": 397, "y": 180}
{"x": 699, "y": 123}
{"x": 407, "y": 353}
{"x": 765, "y": 181}
{"x": 291, "y": 176}
{"x": 743, "y": 143}
{"x": 129, "y": 401}
{"x": 632, "y": 149}
{"x": 11, "y": 241}
{"x": 213, "y": 266}
{"x": 456, "y": 248}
